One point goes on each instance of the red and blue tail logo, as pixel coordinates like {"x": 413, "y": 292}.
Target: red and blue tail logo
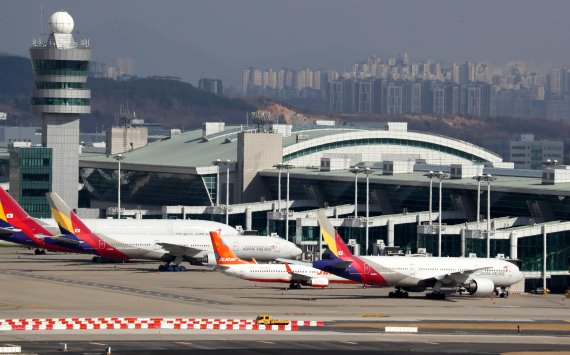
{"x": 73, "y": 227}
{"x": 31, "y": 233}
{"x": 344, "y": 264}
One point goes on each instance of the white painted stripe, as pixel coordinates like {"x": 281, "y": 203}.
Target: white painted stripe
{"x": 401, "y": 329}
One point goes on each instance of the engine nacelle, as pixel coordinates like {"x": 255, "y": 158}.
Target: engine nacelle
{"x": 316, "y": 282}
{"x": 480, "y": 287}
{"x": 201, "y": 261}
{"x": 415, "y": 288}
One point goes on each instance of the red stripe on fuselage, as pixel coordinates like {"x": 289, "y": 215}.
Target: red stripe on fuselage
{"x": 103, "y": 248}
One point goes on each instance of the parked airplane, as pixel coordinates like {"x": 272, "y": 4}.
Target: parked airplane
{"x": 193, "y": 245}
{"x": 295, "y": 275}
{"x": 18, "y": 227}
{"x": 478, "y": 276}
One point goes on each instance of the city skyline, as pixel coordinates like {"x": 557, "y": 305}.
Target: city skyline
{"x": 220, "y": 37}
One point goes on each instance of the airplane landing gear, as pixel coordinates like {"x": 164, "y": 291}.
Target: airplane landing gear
{"x": 398, "y": 294}
{"x": 294, "y": 286}
{"x": 502, "y": 292}
{"x": 39, "y": 252}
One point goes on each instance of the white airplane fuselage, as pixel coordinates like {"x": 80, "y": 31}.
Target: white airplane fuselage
{"x": 277, "y": 272}
{"x": 404, "y": 271}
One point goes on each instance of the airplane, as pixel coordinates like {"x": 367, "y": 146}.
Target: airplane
{"x": 295, "y": 275}
{"x": 18, "y": 227}
{"x": 193, "y": 245}
{"x": 478, "y": 276}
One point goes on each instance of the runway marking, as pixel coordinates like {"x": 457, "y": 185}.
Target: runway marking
{"x": 11, "y": 345}
{"x": 499, "y": 326}
{"x": 93, "y": 343}
{"x": 349, "y": 342}
{"x": 182, "y": 343}
{"x": 371, "y": 315}
{"x": 265, "y": 342}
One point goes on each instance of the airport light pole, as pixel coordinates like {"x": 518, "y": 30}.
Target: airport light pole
{"x": 118, "y": 158}
{"x": 430, "y": 175}
{"x": 287, "y": 167}
{"x": 367, "y": 171}
{"x": 279, "y": 166}
{"x": 478, "y": 178}
{"x": 488, "y": 178}
{"x": 441, "y": 175}
{"x": 227, "y": 163}
{"x": 355, "y": 170}
{"x": 217, "y": 163}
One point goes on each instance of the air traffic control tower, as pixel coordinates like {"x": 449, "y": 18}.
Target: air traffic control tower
{"x": 61, "y": 95}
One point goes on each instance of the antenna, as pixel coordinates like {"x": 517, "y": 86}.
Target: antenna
{"x": 41, "y": 18}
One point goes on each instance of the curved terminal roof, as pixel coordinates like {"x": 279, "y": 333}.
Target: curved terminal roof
{"x": 192, "y": 150}
{"x": 379, "y": 145}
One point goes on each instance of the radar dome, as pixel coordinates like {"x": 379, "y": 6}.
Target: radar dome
{"x": 61, "y": 22}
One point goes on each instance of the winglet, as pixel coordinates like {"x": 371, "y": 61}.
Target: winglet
{"x": 223, "y": 253}
{"x": 288, "y": 268}
{"x": 332, "y": 238}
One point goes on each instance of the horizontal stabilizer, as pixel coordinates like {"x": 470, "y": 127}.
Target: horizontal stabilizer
{"x": 9, "y": 230}
{"x": 61, "y": 240}
{"x": 341, "y": 264}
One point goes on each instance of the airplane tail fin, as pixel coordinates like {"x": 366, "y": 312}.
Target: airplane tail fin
{"x": 69, "y": 223}
{"x": 224, "y": 254}
{"x": 335, "y": 243}
{"x": 10, "y": 210}
{"x": 13, "y": 215}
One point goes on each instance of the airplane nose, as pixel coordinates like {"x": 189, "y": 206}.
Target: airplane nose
{"x": 296, "y": 251}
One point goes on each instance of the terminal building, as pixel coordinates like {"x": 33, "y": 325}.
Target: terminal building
{"x": 273, "y": 180}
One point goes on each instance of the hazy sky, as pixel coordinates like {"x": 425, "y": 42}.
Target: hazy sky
{"x": 242, "y": 31}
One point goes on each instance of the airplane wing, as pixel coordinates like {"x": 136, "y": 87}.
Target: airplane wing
{"x": 294, "y": 262}
{"x": 61, "y": 239}
{"x": 458, "y": 277}
{"x": 296, "y": 276}
{"x": 9, "y": 230}
{"x": 180, "y": 250}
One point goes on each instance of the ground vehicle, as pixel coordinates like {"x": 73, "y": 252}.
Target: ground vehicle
{"x": 266, "y": 319}
{"x": 540, "y": 291}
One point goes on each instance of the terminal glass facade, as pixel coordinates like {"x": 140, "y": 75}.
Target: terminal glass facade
{"x": 531, "y": 249}
{"x": 30, "y": 179}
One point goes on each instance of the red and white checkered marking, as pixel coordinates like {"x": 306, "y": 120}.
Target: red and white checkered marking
{"x": 146, "y": 323}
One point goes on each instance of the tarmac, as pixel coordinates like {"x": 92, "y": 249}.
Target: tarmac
{"x": 355, "y": 318}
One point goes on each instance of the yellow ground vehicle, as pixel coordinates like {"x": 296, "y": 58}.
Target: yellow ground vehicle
{"x": 266, "y": 319}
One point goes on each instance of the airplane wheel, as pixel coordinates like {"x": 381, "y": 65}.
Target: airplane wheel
{"x": 405, "y": 294}
{"x": 183, "y": 268}
{"x": 161, "y": 267}
{"x": 37, "y": 252}
{"x": 391, "y": 294}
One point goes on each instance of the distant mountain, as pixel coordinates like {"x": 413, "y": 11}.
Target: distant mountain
{"x": 175, "y": 58}
{"x": 171, "y": 103}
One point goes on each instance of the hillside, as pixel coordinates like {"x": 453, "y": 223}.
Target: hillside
{"x": 168, "y": 102}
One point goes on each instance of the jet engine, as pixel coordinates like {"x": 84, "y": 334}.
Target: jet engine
{"x": 316, "y": 282}
{"x": 480, "y": 287}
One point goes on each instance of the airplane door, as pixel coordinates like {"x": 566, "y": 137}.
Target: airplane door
{"x": 102, "y": 245}
{"x": 366, "y": 269}
{"x": 276, "y": 247}
{"x": 412, "y": 269}
{"x": 236, "y": 246}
